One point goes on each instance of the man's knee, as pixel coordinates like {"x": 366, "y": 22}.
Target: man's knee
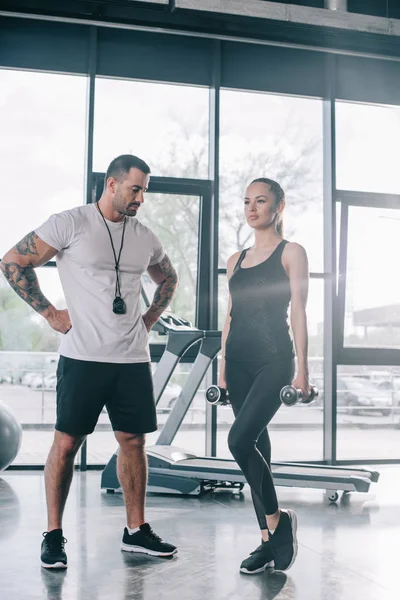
{"x": 67, "y": 444}
{"x": 129, "y": 441}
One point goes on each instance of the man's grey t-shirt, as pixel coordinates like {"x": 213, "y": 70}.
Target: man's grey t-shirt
{"x": 86, "y": 267}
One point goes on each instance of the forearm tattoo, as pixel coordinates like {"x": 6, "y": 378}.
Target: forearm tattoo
{"x": 23, "y": 280}
{"x": 165, "y": 291}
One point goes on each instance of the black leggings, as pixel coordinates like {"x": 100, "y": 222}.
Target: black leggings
{"x": 254, "y": 394}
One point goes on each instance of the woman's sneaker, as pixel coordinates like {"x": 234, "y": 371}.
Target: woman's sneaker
{"x": 53, "y": 554}
{"x": 259, "y": 560}
{"x": 284, "y": 541}
{"x": 146, "y": 542}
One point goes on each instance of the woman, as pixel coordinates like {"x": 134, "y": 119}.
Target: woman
{"x": 258, "y": 360}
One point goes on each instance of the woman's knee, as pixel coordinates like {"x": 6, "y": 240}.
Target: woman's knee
{"x": 239, "y": 444}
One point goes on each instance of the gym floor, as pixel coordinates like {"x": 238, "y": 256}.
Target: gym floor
{"x": 347, "y": 551}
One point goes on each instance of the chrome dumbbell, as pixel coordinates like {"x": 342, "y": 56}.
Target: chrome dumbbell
{"x": 217, "y": 396}
{"x": 290, "y": 396}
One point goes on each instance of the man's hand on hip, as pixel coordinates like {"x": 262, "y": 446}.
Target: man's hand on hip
{"x": 58, "y": 319}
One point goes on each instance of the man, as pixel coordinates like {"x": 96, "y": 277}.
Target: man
{"x": 101, "y": 251}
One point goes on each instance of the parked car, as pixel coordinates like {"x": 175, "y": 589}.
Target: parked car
{"x": 356, "y": 395}
{"x": 393, "y": 388}
{"x": 28, "y": 377}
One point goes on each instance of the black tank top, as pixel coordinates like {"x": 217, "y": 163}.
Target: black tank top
{"x": 260, "y": 295}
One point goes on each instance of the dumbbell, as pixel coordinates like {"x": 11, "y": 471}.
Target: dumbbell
{"x": 290, "y": 396}
{"x": 217, "y": 396}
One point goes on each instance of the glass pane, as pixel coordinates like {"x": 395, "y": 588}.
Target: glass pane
{"x": 279, "y": 137}
{"x": 42, "y": 148}
{"x": 368, "y": 412}
{"x": 28, "y": 363}
{"x": 301, "y": 424}
{"x": 367, "y": 148}
{"x": 175, "y": 220}
{"x": 166, "y": 125}
{"x": 372, "y": 315}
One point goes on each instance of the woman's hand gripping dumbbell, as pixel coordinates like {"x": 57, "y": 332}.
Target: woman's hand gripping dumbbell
{"x": 217, "y": 396}
{"x": 290, "y": 396}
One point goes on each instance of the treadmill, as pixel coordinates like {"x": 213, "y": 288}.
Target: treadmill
{"x": 173, "y": 470}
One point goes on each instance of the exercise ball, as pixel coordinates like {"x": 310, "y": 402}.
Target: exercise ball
{"x": 10, "y": 436}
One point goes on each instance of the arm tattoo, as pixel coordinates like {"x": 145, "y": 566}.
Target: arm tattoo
{"x": 165, "y": 291}
{"x": 24, "y": 281}
{"x": 28, "y": 245}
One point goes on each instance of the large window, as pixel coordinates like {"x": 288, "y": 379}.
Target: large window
{"x": 42, "y": 165}
{"x": 166, "y": 125}
{"x": 367, "y": 139}
{"x": 279, "y": 137}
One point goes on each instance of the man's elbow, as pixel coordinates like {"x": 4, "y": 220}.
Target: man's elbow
{"x": 13, "y": 257}
{"x": 6, "y": 259}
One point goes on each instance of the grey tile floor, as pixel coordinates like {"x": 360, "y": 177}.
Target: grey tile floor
{"x": 347, "y": 551}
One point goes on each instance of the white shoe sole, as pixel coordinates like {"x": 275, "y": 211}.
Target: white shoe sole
{"x": 141, "y": 550}
{"x": 57, "y": 565}
{"x": 260, "y": 570}
{"x": 293, "y": 522}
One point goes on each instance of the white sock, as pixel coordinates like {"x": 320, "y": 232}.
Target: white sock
{"x": 132, "y": 531}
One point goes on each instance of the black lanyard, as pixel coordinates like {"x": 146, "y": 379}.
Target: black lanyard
{"x": 119, "y": 306}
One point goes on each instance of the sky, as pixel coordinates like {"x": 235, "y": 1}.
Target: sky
{"x": 42, "y": 152}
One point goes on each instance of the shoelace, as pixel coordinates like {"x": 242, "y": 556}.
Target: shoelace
{"x": 153, "y": 535}
{"x": 54, "y": 540}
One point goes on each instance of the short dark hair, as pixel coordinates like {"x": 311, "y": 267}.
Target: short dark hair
{"x": 121, "y": 166}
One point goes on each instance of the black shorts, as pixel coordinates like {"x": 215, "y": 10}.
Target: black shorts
{"x": 85, "y": 387}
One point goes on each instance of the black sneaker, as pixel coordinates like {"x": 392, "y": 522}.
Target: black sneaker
{"x": 53, "y": 554}
{"x": 146, "y": 542}
{"x": 284, "y": 541}
{"x": 259, "y": 560}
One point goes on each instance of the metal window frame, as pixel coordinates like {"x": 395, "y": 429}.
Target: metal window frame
{"x": 211, "y": 426}
{"x": 329, "y": 215}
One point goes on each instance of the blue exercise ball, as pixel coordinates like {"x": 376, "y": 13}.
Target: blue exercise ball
{"x": 10, "y": 436}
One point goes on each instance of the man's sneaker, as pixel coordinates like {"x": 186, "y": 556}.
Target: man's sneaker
{"x": 53, "y": 554}
{"x": 284, "y": 541}
{"x": 146, "y": 542}
{"x": 259, "y": 560}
